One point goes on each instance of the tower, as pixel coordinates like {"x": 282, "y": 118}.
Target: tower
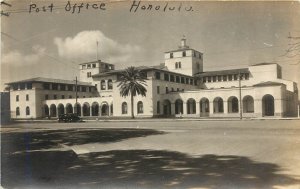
{"x": 184, "y": 60}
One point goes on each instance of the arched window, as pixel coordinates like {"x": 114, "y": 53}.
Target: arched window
{"x": 140, "y": 108}
{"x": 218, "y": 105}
{"x": 103, "y": 85}
{"x": 233, "y": 105}
{"x": 191, "y": 106}
{"x": 248, "y": 104}
{"x": 124, "y": 108}
{"x": 178, "y": 106}
{"x": 17, "y": 111}
{"x": 27, "y": 110}
{"x": 110, "y": 84}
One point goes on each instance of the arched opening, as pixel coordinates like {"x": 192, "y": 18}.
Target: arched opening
{"x": 268, "y": 105}
{"x": 140, "y": 107}
{"x": 218, "y": 105}
{"x": 103, "y": 85}
{"x": 124, "y": 108}
{"x": 17, "y": 111}
{"x": 77, "y": 109}
{"x": 248, "y": 104}
{"x": 46, "y": 110}
{"x": 104, "y": 110}
{"x": 167, "y": 107}
{"x": 69, "y": 109}
{"x": 60, "y": 109}
{"x": 53, "y": 110}
{"x": 233, "y": 104}
{"x": 178, "y": 106}
{"x": 95, "y": 109}
{"x": 109, "y": 84}
{"x": 204, "y": 107}
{"x": 191, "y": 106}
{"x": 27, "y": 110}
{"x": 86, "y": 109}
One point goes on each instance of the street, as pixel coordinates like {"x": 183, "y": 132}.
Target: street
{"x": 152, "y": 154}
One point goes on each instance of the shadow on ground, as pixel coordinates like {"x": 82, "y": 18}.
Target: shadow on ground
{"x": 138, "y": 169}
{"x": 46, "y": 139}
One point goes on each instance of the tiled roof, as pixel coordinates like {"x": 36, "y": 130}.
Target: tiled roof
{"x": 268, "y": 83}
{"x": 223, "y": 72}
{"x": 50, "y": 80}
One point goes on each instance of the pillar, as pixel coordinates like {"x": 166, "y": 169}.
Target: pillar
{"x": 225, "y": 106}
{"x": 198, "y": 108}
{"x": 172, "y": 108}
{"x": 211, "y": 107}
{"x": 184, "y": 108}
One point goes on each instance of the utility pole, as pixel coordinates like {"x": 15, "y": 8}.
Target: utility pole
{"x": 97, "y": 51}
{"x": 240, "y": 94}
{"x": 76, "y": 96}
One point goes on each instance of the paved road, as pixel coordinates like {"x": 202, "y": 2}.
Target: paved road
{"x": 158, "y": 154}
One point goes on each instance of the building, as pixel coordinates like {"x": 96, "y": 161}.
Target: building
{"x": 5, "y": 108}
{"x": 179, "y": 87}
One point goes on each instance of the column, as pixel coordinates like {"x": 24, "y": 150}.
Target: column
{"x": 91, "y": 110}
{"x": 184, "y": 108}
{"x": 198, "y": 108}
{"x": 100, "y": 110}
{"x": 172, "y": 108}
{"x": 211, "y": 107}
{"x": 225, "y": 106}
{"x": 258, "y": 109}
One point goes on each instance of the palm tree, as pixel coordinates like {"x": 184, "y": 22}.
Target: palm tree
{"x": 132, "y": 82}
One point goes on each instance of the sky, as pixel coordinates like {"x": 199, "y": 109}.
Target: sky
{"x": 229, "y": 34}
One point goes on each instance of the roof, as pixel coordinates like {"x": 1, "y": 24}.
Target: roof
{"x": 96, "y": 61}
{"x": 181, "y": 49}
{"x": 50, "y": 80}
{"x": 268, "y": 83}
{"x": 263, "y": 63}
{"x": 223, "y": 72}
{"x": 143, "y": 68}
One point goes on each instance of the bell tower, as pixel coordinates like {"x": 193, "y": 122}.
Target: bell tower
{"x": 184, "y": 60}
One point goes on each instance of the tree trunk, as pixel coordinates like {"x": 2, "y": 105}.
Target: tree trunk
{"x": 132, "y": 110}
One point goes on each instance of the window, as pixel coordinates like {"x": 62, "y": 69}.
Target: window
{"x": 62, "y": 96}
{"x": 194, "y": 53}
{"x": 83, "y": 66}
{"x": 89, "y": 66}
{"x": 230, "y": 77}
{"x": 157, "y": 75}
{"x": 172, "y": 89}
{"x": 54, "y": 86}
{"x": 110, "y": 84}
{"x": 27, "y": 110}
{"x": 235, "y": 77}
{"x": 17, "y": 98}
{"x": 184, "y": 54}
{"x": 140, "y": 108}
{"x": 166, "y": 77}
{"x": 214, "y": 78}
{"x": 246, "y": 76}
{"x": 70, "y": 87}
{"x": 22, "y": 86}
{"x": 179, "y": 64}
{"x": 204, "y": 79}
{"x": 191, "y": 82}
{"x": 176, "y": 65}
{"x": 167, "y": 90}
{"x": 208, "y": 79}
{"x": 182, "y": 80}
{"x": 219, "y": 78}
{"x": 62, "y": 87}
{"x": 103, "y": 85}
{"x": 83, "y": 89}
{"x": 78, "y": 88}
{"x": 15, "y": 86}
{"x": 177, "y": 79}
{"x": 54, "y": 96}
{"x": 27, "y": 97}
{"x": 46, "y": 97}
{"x": 29, "y": 85}
{"x": 172, "y": 78}
{"x": 157, "y": 89}
{"x": 177, "y": 89}
{"x": 89, "y": 74}
{"x": 224, "y": 77}
{"x": 187, "y": 80}
{"x": 124, "y": 108}
{"x": 90, "y": 89}
{"x": 70, "y": 96}
{"x": 17, "y": 111}
{"x": 94, "y": 65}
{"x": 158, "y": 107}
{"x": 46, "y": 86}
{"x": 171, "y": 55}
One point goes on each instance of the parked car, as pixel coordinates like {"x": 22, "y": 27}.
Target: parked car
{"x": 69, "y": 118}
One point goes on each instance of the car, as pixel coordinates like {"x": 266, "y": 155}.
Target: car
{"x": 69, "y": 118}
